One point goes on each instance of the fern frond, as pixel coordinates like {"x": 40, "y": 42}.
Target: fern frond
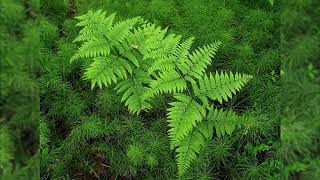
{"x": 224, "y": 122}
{"x": 220, "y": 86}
{"x": 163, "y": 64}
{"x": 99, "y": 35}
{"x": 121, "y": 30}
{"x": 148, "y": 38}
{"x": 105, "y": 70}
{"x": 165, "y": 47}
{"x": 183, "y": 116}
{"x": 128, "y": 51}
{"x": 206, "y": 128}
{"x": 91, "y": 18}
{"x": 91, "y": 49}
{"x": 175, "y": 57}
{"x": 183, "y": 49}
{"x": 196, "y": 64}
{"x": 188, "y": 149}
{"x": 94, "y": 24}
{"x": 135, "y": 92}
{"x": 168, "y": 82}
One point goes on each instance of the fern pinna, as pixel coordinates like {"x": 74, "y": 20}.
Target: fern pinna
{"x": 144, "y": 61}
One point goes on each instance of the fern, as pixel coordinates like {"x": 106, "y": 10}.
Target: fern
{"x": 121, "y": 30}
{"x": 93, "y": 48}
{"x": 99, "y": 35}
{"x": 182, "y": 51}
{"x": 224, "y": 122}
{"x": 148, "y": 39}
{"x": 105, "y": 70}
{"x": 183, "y": 116}
{"x": 198, "y": 132}
{"x": 166, "y": 46}
{"x": 168, "y": 82}
{"x": 144, "y": 61}
{"x": 179, "y": 55}
{"x": 135, "y": 94}
{"x": 169, "y": 78}
{"x": 220, "y": 86}
{"x": 198, "y": 61}
{"x": 188, "y": 150}
{"x": 94, "y": 25}
{"x": 184, "y": 67}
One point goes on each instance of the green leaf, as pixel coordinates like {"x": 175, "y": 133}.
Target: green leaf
{"x": 92, "y": 49}
{"x": 135, "y": 92}
{"x": 188, "y": 150}
{"x": 183, "y": 116}
{"x": 219, "y": 86}
{"x": 224, "y": 122}
{"x": 105, "y": 70}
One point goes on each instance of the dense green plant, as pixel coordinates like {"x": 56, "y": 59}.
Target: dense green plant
{"x": 144, "y": 62}
{"x": 19, "y": 98}
{"x": 248, "y": 31}
{"x": 89, "y": 134}
{"x": 300, "y": 81}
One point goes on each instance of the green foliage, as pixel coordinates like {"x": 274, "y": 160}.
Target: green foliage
{"x": 177, "y": 68}
{"x": 223, "y": 122}
{"x": 99, "y": 34}
{"x": 7, "y": 150}
{"x": 252, "y": 170}
{"x": 188, "y": 149}
{"x": 220, "y": 86}
{"x": 89, "y": 128}
{"x": 220, "y": 151}
{"x": 105, "y": 70}
{"x": 183, "y": 116}
{"x": 300, "y": 120}
{"x": 19, "y": 92}
{"x": 147, "y": 67}
{"x": 44, "y": 133}
{"x": 135, "y": 92}
{"x": 12, "y": 15}
{"x": 136, "y": 154}
{"x": 152, "y": 161}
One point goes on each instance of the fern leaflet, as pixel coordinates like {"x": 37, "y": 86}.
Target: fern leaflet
{"x": 188, "y": 150}
{"x": 196, "y": 64}
{"x": 135, "y": 93}
{"x": 219, "y": 87}
{"x": 224, "y": 122}
{"x": 105, "y": 70}
{"x": 183, "y": 116}
{"x": 168, "y": 82}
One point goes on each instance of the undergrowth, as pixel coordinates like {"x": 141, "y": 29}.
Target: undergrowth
{"x": 119, "y": 109}
{"x": 132, "y": 146}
